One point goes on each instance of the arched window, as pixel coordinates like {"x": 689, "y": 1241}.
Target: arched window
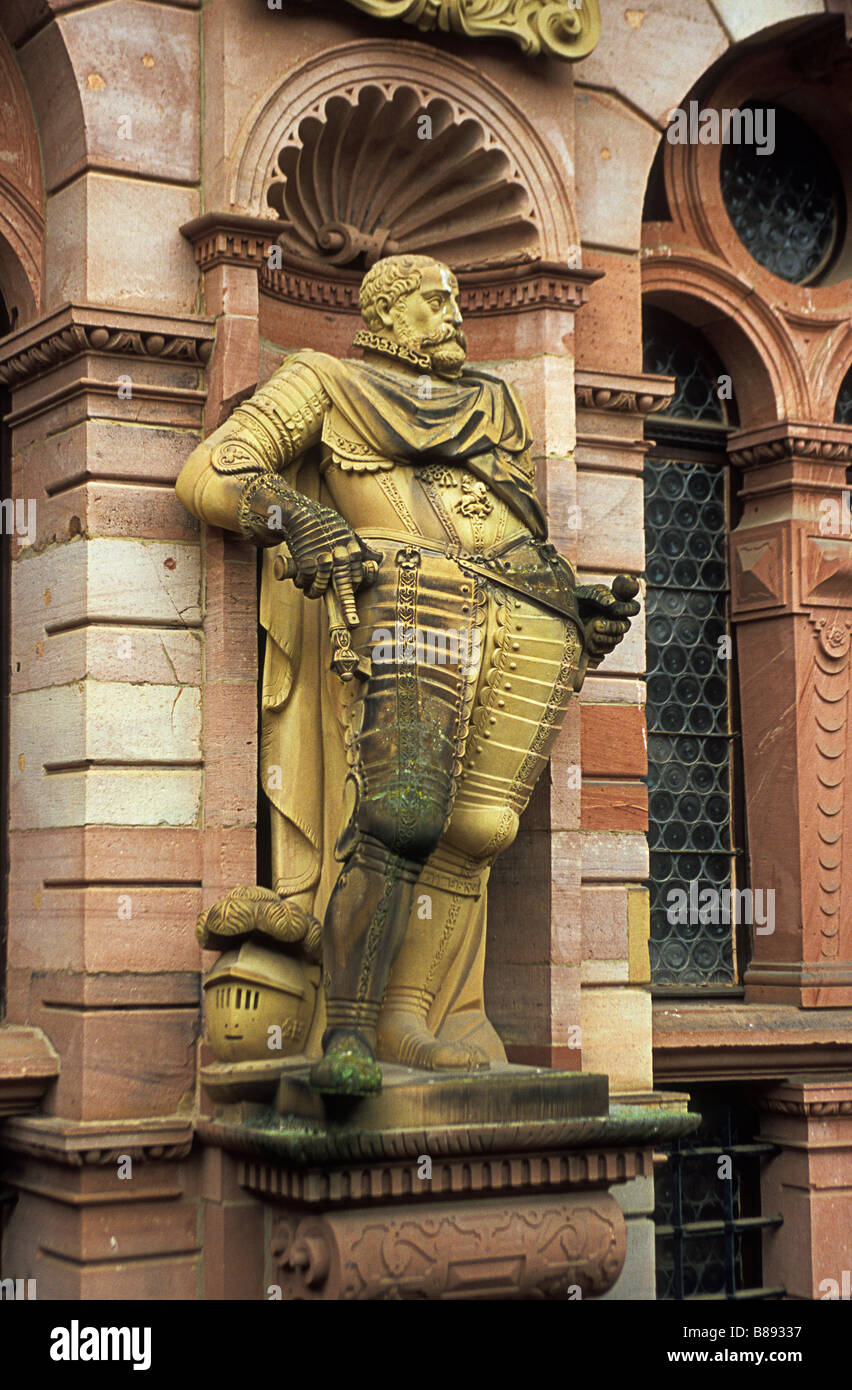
{"x": 696, "y": 850}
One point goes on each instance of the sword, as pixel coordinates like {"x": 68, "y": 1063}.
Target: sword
{"x": 340, "y": 609}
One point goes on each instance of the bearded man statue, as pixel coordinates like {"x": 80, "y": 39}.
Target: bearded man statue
{"x": 400, "y": 487}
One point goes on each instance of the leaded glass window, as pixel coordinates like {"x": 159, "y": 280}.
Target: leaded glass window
{"x": 843, "y": 409}
{"x": 689, "y": 655}
{"x": 786, "y": 206}
{"x": 707, "y": 1212}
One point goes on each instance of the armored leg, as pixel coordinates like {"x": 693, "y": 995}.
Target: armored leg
{"x": 405, "y": 740}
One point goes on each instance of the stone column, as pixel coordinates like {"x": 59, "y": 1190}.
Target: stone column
{"x": 807, "y": 1182}
{"x": 791, "y": 578}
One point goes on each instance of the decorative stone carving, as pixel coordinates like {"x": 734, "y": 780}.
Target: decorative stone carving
{"x": 439, "y": 81}
{"x": 381, "y": 172}
{"x": 74, "y": 330}
{"x": 534, "y": 1248}
{"x": 558, "y": 28}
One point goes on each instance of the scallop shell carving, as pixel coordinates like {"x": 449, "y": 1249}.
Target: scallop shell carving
{"x": 383, "y": 173}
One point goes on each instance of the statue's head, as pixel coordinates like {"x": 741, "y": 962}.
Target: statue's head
{"x": 413, "y": 301}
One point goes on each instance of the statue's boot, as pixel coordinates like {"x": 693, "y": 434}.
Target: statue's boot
{"x": 442, "y": 919}
{"x": 364, "y": 925}
{"x": 404, "y": 1036}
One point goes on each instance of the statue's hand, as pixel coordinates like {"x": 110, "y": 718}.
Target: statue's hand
{"x": 606, "y": 613}
{"x": 325, "y": 550}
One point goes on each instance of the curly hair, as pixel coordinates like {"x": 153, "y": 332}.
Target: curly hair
{"x": 390, "y": 279}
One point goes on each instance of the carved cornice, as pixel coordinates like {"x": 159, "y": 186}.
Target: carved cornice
{"x": 227, "y": 238}
{"x": 76, "y": 329}
{"x": 234, "y": 239}
{"x": 96, "y": 1143}
{"x": 556, "y": 28}
{"x": 790, "y": 440}
{"x": 495, "y": 1175}
{"x": 816, "y": 1109}
{"x": 641, "y": 395}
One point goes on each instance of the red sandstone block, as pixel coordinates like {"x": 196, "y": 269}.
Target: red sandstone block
{"x": 121, "y": 1063}
{"x": 230, "y": 753}
{"x": 614, "y": 806}
{"x": 233, "y": 1246}
{"x": 234, "y": 364}
{"x": 604, "y": 918}
{"x": 609, "y": 326}
{"x": 169, "y": 1279}
{"x": 231, "y": 607}
{"x": 613, "y": 741}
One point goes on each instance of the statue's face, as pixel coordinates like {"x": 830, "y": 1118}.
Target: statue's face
{"x": 429, "y": 321}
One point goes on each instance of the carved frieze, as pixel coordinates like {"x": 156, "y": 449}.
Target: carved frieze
{"x": 533, "y": 1247}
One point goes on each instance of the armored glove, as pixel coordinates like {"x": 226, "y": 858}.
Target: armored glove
{"x": 324, "y": 548}
{"x": 606, "y": 613}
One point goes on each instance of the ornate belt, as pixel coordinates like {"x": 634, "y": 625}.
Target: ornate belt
{"x": 522, "y": 564}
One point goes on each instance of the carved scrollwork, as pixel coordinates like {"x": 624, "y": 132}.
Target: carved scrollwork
{"x": 532, "y": 1248}
{"x": 557, "y": 28}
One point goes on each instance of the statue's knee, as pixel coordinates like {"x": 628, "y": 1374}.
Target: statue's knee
{"x": 482, "y": 833}
{"x": 409, "y": 833}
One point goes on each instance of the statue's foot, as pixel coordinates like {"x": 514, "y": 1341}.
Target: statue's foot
{"x": 404, "y": 1038}
{"x": 347, "y": 1067}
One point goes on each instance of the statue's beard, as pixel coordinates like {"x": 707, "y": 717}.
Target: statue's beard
{"x": 447, "y": 351}
{"x": 447, "y": 355}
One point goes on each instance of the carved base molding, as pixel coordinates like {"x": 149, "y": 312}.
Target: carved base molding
{"x": 532, "y": 1247}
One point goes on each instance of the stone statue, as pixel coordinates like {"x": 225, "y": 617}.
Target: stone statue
{"x": 404, "y": 727}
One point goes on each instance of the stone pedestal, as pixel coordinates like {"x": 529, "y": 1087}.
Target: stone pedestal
{"x": 452, "y": 1186}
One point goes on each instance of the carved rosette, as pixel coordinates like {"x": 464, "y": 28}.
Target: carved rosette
{"x": 535, "y": 1247}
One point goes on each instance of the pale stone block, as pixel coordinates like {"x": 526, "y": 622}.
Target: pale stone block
{"x": 147, "y": 796}
{"x": 605, "y": 972}
{"x": 614, "y": 856}
{"x": 113, "y": 240}
{"x": 652, "y": 53}
{"x": 612, "y": 521}
{"x": 612, "y": 690}
{"x": 615, "y": 150}
{"x": 108, "y": 579}
{"x": 616, "y": 1023}
{"x": 58, "y": 736}
{"x": 744, "y": 17}
{"x": 546, "y": 385}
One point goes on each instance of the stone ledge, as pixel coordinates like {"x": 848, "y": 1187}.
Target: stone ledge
{"x": 719, "y": 1041}
{"x": 28, "y": 1064}
{"x": 266, "y": 1135}
{"x": 79, "y": 1143}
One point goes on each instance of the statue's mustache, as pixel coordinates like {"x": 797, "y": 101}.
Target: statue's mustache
{"x": 446, "y": 335}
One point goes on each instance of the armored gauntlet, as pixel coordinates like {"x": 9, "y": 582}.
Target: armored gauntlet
{"x": 322, "y": 544}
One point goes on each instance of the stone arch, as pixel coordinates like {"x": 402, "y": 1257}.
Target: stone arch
{"x": 21, "y": 196}
{"x": 746, "y": 335}
{"x": 432, "y": 75}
